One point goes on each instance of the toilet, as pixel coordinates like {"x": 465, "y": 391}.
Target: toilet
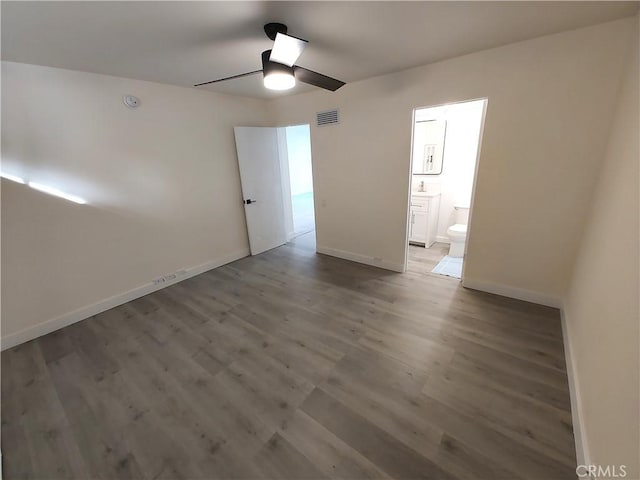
{"x": 458, "y": 232}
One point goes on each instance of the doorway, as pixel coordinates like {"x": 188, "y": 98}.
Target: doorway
{"x": 299, "y": 171}
{"x": 277, "y": 185}
{"x": 445, "y": 149}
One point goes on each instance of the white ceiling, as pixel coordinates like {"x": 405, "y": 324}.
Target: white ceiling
{"x": 183, "y": 43}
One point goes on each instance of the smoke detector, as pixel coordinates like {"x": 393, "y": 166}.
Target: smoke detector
{"x": 131, "y": 101}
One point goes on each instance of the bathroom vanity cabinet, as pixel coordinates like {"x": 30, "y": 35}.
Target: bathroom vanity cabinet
{"x": 423, "y": 218}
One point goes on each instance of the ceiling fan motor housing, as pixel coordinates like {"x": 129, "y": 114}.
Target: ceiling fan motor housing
{"x": 272, "y": 29}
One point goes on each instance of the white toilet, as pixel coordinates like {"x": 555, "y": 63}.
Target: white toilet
{"x": 458, "y": 233}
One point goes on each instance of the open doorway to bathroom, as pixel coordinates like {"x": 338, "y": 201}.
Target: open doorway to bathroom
{"x": 298, "y": 182}
{"x": 444, "y": 154}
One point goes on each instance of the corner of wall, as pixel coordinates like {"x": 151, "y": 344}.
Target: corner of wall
{"x": 572, "y": 325}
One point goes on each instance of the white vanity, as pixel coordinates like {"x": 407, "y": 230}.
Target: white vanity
{"x": 423, "y": 218}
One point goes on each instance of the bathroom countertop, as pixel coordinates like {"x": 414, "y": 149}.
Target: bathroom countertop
{"x": 425, "y": 194}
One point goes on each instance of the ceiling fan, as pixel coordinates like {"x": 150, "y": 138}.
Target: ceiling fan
{"x": 278, "y": 67}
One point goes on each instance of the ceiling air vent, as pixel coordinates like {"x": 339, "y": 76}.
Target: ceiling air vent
{"x": 329, "y": 117}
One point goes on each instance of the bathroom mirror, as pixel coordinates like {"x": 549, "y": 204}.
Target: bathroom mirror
{"x": 428, "y": 146}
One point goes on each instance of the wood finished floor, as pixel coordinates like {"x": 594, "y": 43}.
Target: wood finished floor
{"x": 423, "y": 260}
{"x": 293, "y": 365}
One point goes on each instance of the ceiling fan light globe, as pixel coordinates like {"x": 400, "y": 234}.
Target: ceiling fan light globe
{"x": 279, "y": 81}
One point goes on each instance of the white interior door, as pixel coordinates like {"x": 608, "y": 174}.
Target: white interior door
{"x": 261, "y": 178}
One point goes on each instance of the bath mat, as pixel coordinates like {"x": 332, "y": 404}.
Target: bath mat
{"x": 450, "y": 266}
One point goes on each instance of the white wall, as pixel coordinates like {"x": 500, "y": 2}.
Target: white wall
{"x": 548, "y": 100}
{"x": 299, "y": 153}
{"x": 455, "y": 184}
{"x": 161, "y": 181}
{"x": 601, "y": 308}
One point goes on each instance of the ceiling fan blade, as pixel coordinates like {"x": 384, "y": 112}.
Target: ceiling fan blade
{"x": 286, "y": 49}
{"x": 229, "y": 78}
{"x": 316, "y": 79}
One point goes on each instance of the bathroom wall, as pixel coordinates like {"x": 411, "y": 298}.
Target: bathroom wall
{"x": 455, "y": 184}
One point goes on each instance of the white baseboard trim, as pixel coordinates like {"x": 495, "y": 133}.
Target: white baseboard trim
{"x": 358, "y": 258}
{"x": 514, "y": 292}
{"x": 83, "y": 313}
{"x": 440, "y": 239}
{"x": 579, "y": 434}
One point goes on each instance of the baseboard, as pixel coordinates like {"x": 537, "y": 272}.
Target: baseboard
{"x": 440, "y": 239}
{"x": 514, "y": 292}
{"x": 582, "y": 449}
{"x": 356, "y": 257}
{"x": 83, "y": 313}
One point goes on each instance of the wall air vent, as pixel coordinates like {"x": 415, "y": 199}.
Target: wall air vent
{"x": 329, "y": 117}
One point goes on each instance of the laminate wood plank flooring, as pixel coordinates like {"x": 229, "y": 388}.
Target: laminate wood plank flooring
{"x": 295, "y": 365}
{"x": 423, "y": 260}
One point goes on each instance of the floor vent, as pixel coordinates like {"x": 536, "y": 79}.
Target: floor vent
{"x": 329, "y": 117}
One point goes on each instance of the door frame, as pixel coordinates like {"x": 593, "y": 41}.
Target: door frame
{"x": 473, "y": 185}
{"x": 286, "y": 178}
